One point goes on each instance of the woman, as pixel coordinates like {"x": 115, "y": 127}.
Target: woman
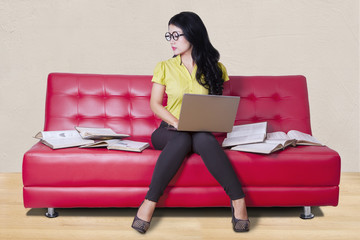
{"x": 195, "y": 68}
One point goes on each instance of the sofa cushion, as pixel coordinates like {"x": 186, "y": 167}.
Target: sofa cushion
{"x": 74, "y": 167}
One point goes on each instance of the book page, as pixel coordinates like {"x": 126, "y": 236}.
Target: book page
{"x": 264, "y": 148}
{"x": 66, "y": 142}
{"x": 248, "y": 129}
{"x": 243, "y": 140}
{"x": 303, "y": 138}
{"x": 62, "y": 139}
{"x": 283, "y": 142}
{"x": 95, "y": 131}
{"x": 277, "y": 135}
{"x": 99, "y": 133}
{"x": 101, "y": 143}
{"x": 128, "y": 145}
{"x": 66, "y": 134}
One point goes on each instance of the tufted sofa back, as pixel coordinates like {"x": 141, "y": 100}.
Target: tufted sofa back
{"x": 121, "y": 102}
{"x": 282, "y": 101}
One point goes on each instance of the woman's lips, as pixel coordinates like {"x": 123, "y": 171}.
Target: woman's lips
{"x": 173, "y": 48}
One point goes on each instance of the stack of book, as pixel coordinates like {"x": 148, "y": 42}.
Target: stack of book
{"x": 90, "y": 138}
{"x": 255, "y": 139}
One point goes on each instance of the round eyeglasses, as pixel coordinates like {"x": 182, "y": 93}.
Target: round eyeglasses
{"x": 174, "y": 35}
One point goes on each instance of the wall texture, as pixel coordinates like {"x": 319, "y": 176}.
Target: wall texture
{"x": 315, "y": 38}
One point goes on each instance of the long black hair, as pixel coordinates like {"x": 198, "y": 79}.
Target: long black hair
{"x": 206, "y": 57}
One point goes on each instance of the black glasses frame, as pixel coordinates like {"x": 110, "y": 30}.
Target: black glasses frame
{"x": 174, "y": 35}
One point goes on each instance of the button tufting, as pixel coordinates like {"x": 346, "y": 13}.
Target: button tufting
{"x": 252, "y": 97}
{"x": 122, "y": 101}
{"x": 276, "y": 96}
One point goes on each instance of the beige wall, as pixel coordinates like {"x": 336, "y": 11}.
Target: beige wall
{"x": 315, "y": 38}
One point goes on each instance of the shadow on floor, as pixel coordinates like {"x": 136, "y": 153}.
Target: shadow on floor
{"x": 255, "y": 213}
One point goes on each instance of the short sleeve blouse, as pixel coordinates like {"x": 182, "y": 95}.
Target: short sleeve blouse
{"x": 178, "y": 81}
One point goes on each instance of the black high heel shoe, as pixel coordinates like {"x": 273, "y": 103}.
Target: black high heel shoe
{"x": 140, "y": 225}
{"x": 239, "y": 225}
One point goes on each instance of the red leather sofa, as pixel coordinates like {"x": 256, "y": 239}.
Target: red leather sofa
{"x": 69, "y": 178}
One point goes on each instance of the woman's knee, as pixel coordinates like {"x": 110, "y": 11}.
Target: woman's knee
{"x": 159, "y": 138}
{"x": 204, "y": 139}
{"x": 183, "y": 139}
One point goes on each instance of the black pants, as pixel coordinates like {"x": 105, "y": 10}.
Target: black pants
{"x": 176, "y": 145}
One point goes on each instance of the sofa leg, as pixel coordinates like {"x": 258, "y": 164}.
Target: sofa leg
{"x": 51, "y": 213}
{"x": 307, "y": 213}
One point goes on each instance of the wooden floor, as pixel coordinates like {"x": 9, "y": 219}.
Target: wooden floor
{"x": 16, "y": 222}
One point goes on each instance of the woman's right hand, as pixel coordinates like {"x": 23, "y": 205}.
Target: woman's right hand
{"x": 176, "y": 124}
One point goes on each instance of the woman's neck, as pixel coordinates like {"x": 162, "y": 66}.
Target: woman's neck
{"x": 188, "y": 61}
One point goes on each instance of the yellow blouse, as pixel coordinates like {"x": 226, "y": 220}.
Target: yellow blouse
{"x": 178, "y": 81}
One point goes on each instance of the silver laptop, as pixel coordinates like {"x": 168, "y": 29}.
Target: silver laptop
{"x": 208, "y": 113}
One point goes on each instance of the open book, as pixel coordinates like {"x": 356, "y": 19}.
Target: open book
{"x": 117, "y": 144}
{"x": 99, "y": 133}
{"x": 299, "y": 137}
{"x": 279, "y": 140}
{"x": 62, "y": 139}
{"x": 245, "y": 134}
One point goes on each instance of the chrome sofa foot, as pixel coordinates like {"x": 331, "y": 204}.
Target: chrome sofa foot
{"x": 307, "y": 213}
{"x": 51, "y": 213}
